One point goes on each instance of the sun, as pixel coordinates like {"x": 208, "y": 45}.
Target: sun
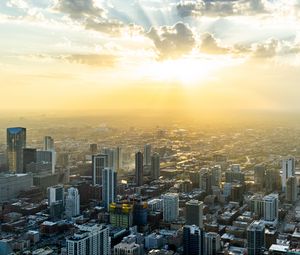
{"x": 186, "y": 71}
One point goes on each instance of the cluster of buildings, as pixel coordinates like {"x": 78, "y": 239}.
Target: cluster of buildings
{"x": 158, "y": 201}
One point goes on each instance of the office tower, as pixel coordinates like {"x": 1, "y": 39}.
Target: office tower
{"x": 139, "y": 169}
{"x": 194, "y": 213}
{"x": 237, "y": 192}
{"x": 119, "y": 159}
{"x": 90, "y": 240}
{"x": 193, "y": 240}
{"x": 99, "y": 162}
{"x": 109, "y": 186}
{"x": 155, "y": 204}
{"x": 195, "y": 178}
{"x": 29, "y": 156}
{"x": 288, "y": 170}
{"x": 147, "y": 154}
{"x": 292, "y": 189}
{"x": 140, "y": 213}
{"x": 55, "y": 193}
{"x": 273, "y": 180}
{"x": 256, "y": 238}
{"x": 270, "y": 207}
{"x": 45, "y": 160}
{"x": 93, "y": 148}
{"x": 49, "y": 146}
{"x": 72, "y": 203}
{"x": 227, "y": 189}
{"x": 16, "y": 142}
{"x": 155, "y": 166}
{"x": 212, "y": 243}
{"x": 121, "y": 215}
{"x": 260, "y": 175}
{"x": 170, "y": 206}
{"x": 216, "y": 175}
{"x": 205, "y": 182}
{"x": 111, "y": 157}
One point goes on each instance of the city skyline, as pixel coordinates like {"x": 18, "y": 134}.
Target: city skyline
{"x": 192, "y": 56}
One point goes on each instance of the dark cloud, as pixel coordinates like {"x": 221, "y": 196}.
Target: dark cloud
{"x": 209, "y": 44}
{"x": 93, "y": 59}
{"x": 220, "y": 7}
{"x": 78, "y": 9}
{"x": 174, "y": 41}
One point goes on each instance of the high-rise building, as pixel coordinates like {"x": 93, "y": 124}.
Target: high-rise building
{"x": 260, "y": 175}
{"x": 119, "y": 159}
{"x": 93, "y": 148}
{"x": 140, "y": 213}
{"x": 155, "y": 166}
{"x": 193, "y": 240}
{"x": 235, "y": 168}
{"x": 194, "y": 213}
{"x": 205, "y": 182}
{"x": 270, "y": 207}
{"x": 234, "y": 176}
{"x": 147, "y": 154}
{"x": 273, "y": 180}
{"x": 139, "y": 169}
{"x": 29, "y": 156}
{"x": 170, "y": 206}
{"x": 121, "y": 215}
{"x": 99, "y": 162}
{"x": 216, "y": 172}
{"x": 72, "y": 203}
{"x": 212, "y": 243}
{"x": 256, "y": 238}
{"x": 90, "y": 240}
{"x": 292, "y": 189}
{"x": 109, "y": 186}
{"x": 49, "y": 146}
{"x": 288, "y": 170}
{"x": 16, "y": 142}
{"x": 257, "y": 205}
{"x": 111, "y": 157}
{"x": 128, "y": 246}
{"x": 55, "y": 193}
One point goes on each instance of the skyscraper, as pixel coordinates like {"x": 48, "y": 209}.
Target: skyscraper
{"x": 72, "y": 203}
{"x": 139, "y": 169}
{"x": 193, "y": 240}
{"x": 29, "y": 156}
{"x": 55, "y": 193}
{"x": 119, "y": 159}
{"x": 90, "y": 240}
{"x": 16, "y": 142}
{"x": 49, "y": 146}
{"x": 155, "y": 166}
{"x": 99, "y": 162}
{"x": 170, "y": 206}
{"x": 111, "y": 157}
{"x": 194, "y": 213}
{"x": 292, "y": 189}
{"x": 256, "y": 238}
{"x": 109, "y": 186}
{"x": 147, "y": 154}
{"x": 288, "y": 170}
{"x": 259, "y": 175}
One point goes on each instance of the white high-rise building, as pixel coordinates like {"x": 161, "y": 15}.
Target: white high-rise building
{"x": 90, "y": 240}
{"x": 147, "y": 154}
{"x": 72, "y": 203}
{"x": 170, "y": 206}
{"x": 270, "y": 207}
{"x": 288, "y": 170}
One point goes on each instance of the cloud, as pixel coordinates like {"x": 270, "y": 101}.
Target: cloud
{"x": 172, "y": 41}
{"x": 267, "y": 49}
{"x": 78, "y": 9}
{"x": 99, "y": 60}
{"x": 221, "y": 7}
{"x": 210, "y": 45}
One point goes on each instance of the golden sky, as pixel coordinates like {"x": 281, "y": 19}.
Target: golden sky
{"x": 205, "y": 55}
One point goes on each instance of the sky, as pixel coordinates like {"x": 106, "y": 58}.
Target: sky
{"x": 195, "y": 56}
